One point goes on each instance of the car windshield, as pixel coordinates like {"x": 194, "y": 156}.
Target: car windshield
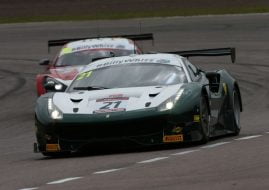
{"x": 129, "y": 75}
{"x": 86, "y": 57}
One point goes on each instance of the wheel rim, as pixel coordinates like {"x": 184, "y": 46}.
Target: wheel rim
{"x": 236, "y": 107}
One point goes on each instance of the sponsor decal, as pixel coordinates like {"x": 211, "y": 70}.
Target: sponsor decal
{"x": 225, "y": 89}
{"x": 130, "y": 60}
{"x": 163, "y": 61}
{"x": 109, "y": 110}
{"x": 53, "y": 147}
{"x": 66, "y": 51}
{"x": 83, "y": 47}
{"x": 84, "y": 75}
{"x": 112, "y": 99}
{"x": 120, "y": 47}
{"x": 177, "y": 129}
{"x": 94, "y": 46}
{"x": 173, "y": 138}
{"x": 196, "y": 118}
{"x": 113, "y": 103}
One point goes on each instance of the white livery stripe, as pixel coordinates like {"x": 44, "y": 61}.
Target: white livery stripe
{"x": 215, "y": 145}
{"x": 108, "y": 171}
{"x": 63, "y": 180}
{"x": 184, "y": 152}
{"x": 31, "y": 188}
{"x": 152, "y": 160}
{"x": 248, "y": 137}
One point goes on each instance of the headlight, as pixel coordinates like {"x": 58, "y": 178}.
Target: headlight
{"x": 170, "y": 102}
{"x": 54, "y": 112}
{"x": 52, "y": 84}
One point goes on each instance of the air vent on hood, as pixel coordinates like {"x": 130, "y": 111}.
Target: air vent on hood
{"x": 75, "y": 100}
{"x": 153, "y": 95}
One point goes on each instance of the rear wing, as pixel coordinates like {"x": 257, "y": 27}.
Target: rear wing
{"x": 134, "y": 37}
{"x": 208, "y": 52}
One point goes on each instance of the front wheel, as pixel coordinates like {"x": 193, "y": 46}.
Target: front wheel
{"x": 204, "y": 120}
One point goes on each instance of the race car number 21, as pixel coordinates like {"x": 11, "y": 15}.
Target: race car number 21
{"x": 110, "y": 106}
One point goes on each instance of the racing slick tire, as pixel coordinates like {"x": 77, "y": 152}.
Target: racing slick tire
{"x": 204, "y": 120}
{"x": 236, "y": 112}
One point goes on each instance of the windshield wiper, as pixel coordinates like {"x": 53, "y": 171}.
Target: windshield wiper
{"x": 90, "y": 88}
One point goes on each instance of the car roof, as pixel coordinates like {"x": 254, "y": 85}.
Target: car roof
{"x": 158, "y": 58}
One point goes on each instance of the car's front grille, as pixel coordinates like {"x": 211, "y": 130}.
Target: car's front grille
{"x": 131, "y": 128}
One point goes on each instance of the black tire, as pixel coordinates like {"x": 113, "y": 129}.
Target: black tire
{"x": 204, "y": 120}
{"x": 236, "y": 112}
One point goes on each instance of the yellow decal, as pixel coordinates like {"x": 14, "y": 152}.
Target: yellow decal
{"x": 53, "y": 147}
{"x": 66, "y": 51}
{"x": 84, "y": 75}
{"x": 173, "y": 138}
{"x": 196, "y": 118}
{"x": 225, "y": 88}
{"x": 177, "y": 129}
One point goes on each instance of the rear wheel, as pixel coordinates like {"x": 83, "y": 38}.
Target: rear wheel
{"x": 236, "y": 112}
{"x": 204, "y": 120}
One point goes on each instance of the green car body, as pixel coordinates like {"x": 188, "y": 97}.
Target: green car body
{"x": 199, "y": 110}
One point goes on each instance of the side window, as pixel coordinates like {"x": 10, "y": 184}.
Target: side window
{"x": 193, "y": 71}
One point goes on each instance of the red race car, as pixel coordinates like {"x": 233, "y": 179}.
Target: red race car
{"x": 77, "y": 53}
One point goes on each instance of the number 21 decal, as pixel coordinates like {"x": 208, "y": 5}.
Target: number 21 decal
{"x": 110, "y": 105}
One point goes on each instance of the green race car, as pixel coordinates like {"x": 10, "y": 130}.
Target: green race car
{"x": 139, "y": 99}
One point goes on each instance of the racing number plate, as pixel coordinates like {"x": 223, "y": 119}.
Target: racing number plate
{"x": 110, "y": 106}
{"x": 173, "y": 138}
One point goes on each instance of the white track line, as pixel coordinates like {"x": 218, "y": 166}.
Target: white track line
{"x": 267, "y": 132}
{"x": 184, "y": 152}
{"x": 108, "y": 171}
{"x": 152, "y": 160}
{"x": 64, "y": 180}
{"x": 248, "y": 137}
{"x": 215, "y": 145}
{"x": 31, "y": 188}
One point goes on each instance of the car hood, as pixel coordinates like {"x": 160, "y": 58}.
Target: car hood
{"x": 65, "y": 73}
{"x": 113, "y": 100}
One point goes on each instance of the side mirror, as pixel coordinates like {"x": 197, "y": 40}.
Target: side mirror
{"x": 55, "y": 87}
{"x": 199, "y": 70}
{"x": 214, "y": 81}
{"x": 44, "y": 62}
{"x": 49, "y": 86}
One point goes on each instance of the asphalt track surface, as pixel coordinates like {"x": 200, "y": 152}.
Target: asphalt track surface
{"x": 240, "y": 162}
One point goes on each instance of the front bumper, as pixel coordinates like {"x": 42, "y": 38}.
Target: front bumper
{"x": 143, "y": 131}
